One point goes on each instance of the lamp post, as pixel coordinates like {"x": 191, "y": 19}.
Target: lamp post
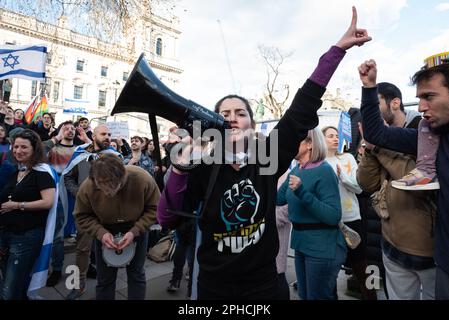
{"x": 116, "y": 85}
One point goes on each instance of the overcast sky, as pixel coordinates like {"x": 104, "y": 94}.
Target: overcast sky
{"x": 404, "y": 33}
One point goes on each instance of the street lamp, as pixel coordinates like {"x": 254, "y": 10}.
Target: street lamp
{"x": 116, "y": 86}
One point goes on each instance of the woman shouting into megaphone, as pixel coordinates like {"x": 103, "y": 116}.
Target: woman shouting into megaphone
{"x": 235, "y": 201}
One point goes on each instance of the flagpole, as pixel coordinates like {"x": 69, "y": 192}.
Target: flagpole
{"x": 44, "y": 85}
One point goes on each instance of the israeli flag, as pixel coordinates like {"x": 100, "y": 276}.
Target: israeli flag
{"x": 26, "y": 62}
{"x": 40, "y": 269}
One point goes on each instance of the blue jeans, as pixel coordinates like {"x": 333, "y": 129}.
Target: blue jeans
{"x": 70, "y": 226}
{"x": 184, "y": 250}
{"x": 57, "y": 254}
{"x": 441, "y": 284}
{"x": 19, "y": 251}
{"x": 135, "y": 271}
{"x": 317, "y": 277}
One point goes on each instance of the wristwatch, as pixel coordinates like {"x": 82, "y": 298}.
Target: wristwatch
{"x": 22, "y": 206}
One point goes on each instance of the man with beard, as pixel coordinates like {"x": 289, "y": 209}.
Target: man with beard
{"x": 433, "y": 93}
{"x": 43, "y": 128}
{"x": 84, "y": 124}
{"x": 407, "y": 229}
{"x": 72, "y": 177}
{"x": 138, "y": 158}
{"x": 59, "y": 155}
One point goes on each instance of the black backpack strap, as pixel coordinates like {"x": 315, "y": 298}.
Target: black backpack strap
{"x": 210, "y": 187}
{"x": 155, "y": 136}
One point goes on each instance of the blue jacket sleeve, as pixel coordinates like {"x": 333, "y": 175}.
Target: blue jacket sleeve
{"x": 376, "y": 132}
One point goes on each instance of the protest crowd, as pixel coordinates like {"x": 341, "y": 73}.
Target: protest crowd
{"x": 382, "y": 200}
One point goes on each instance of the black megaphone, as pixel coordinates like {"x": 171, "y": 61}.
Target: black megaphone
{"x": 144, "y": 92}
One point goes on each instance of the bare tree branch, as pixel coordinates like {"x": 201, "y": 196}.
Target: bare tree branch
{"x": 108, "y": 20}
{"x": 275, "y": 95}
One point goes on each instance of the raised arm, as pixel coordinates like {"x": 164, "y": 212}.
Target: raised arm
{"x": 302, "y": 114}
{"x": 172, "y": 198}
{"x": 375, "y": 131}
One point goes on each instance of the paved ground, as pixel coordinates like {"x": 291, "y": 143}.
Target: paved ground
{"x": 158, "y": 276}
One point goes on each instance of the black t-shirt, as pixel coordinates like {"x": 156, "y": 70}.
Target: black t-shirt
{"x": 239, "y": 236}
{"x": 26, "y": 190}
{"x": 239, "y": 239}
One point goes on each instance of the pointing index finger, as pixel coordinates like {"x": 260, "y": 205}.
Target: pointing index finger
{"x": 354, "y": 17}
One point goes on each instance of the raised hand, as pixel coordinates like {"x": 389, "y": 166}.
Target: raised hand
{"x": 294, "y": 182}
{"x": 353, "y": 36}
{"x": 61, "y": 132}
{"x": 181, "y": 153}
{"x": 368, "y": 73}
{"x": 239, "y": 205}
{"x": 82, "y": 135}
{"x": 3, "y": 106}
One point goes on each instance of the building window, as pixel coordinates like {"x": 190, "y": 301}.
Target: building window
{"x": 80, "y": 65}
{"x": 78, "y": 92}
{"x": 159, "y": 46}
{"x": 55, "y": 91}
{"x": 101, "y": 98}
{"x": 49, "y": 57}
{"x": 33, "y": 88}
{"x": 104, "y": 71}
{"x": 125, "y": 76}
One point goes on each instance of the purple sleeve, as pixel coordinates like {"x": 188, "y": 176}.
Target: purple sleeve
{"x": 172, "y": 197}
{"x": 327, "y": 65}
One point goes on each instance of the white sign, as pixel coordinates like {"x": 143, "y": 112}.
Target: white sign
{"x": 118, "y": 130}
{"x": 80, "y": 111}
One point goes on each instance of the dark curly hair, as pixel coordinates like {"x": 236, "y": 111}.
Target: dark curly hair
{"x": 38, "y": 155}
{"x": 426, "y": 74}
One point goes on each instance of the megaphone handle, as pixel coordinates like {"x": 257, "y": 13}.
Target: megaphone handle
{"x": 154, "y": 134}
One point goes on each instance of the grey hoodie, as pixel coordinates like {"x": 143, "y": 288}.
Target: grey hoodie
{"x": 410, "y": 115}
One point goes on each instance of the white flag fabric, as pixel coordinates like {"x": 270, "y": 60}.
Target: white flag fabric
{"x": 40, "y": 269}
{"x": 26, "y": 62}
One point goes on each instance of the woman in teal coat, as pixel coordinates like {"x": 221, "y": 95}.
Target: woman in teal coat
{"x": 311, "y": 192}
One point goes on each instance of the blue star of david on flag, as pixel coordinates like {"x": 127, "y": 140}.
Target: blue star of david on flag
{"x": 26, "y": 62}
{"x": 10, "y": 64}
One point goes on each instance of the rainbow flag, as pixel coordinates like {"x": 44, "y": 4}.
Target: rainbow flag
{"x": 36, "y": 109}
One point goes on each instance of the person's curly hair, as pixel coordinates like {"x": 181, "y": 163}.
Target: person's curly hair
{"x": 38, "y": 155}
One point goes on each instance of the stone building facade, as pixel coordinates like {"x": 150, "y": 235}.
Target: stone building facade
{"x": 84, "y": 72}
